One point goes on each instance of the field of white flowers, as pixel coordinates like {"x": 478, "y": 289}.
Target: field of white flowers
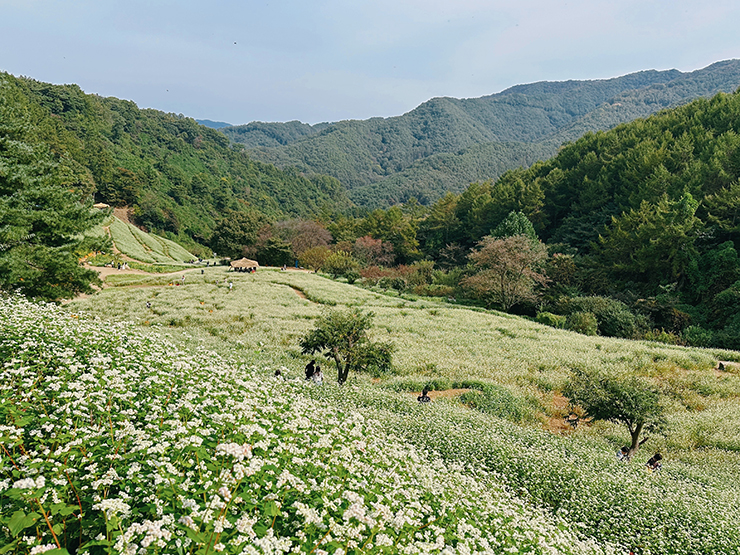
{"x": 115, "y": 441}
{"x": 357, "y": 469}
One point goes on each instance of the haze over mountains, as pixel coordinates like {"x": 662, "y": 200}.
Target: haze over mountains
{"x": 446, "y": 143}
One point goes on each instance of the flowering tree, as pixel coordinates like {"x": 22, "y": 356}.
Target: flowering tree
{"x": 509, "y": 269}
{"x": 342, "y": 336}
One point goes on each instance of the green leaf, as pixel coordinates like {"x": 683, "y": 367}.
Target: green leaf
{"x": 20, "y": 521}
{"x": 272, "y": 509}
{"x": 8, "y": 547}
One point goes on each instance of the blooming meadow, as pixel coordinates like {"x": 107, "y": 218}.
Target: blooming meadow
{"x": 171, "y": 434}
{"x": 118, "y": 442}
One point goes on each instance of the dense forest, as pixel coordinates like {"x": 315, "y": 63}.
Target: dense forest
{"x": 446, "y": 143}
{"x": 178, "y": 177}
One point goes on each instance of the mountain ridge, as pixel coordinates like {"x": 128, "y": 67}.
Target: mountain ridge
{"x": 370, "y": 156}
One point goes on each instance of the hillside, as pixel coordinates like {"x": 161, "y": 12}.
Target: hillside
{"x": 513, "y": 444}
{"x": 383, "y": 156}
{"x": 178, "y": 177}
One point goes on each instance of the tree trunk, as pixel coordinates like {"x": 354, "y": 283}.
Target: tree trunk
{"x": 342, "y": 369}
{"x": 635, "y": 439}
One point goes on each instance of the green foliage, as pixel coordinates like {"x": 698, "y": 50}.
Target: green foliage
{"x": 552, "y": 320}
{"x": 176, "y": 175}
{"x": 582, "y": 322}
{"x": 516, "y": 223}
{"x": 445, "y": 143}
{"x": 340, "y": 264}
{"x": 343, "y": 337}
{"x": 625, "y": 400}
{"x": 613, "y": 317}
{"x": 45, "y": 209}
{"x": 235, "y": 230}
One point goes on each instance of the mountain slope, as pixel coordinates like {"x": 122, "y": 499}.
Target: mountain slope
{"x": 179, "y": 177}
{"x": 380, "y": 157}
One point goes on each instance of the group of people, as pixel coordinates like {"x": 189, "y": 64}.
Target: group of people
{"x": 313, "y": 373}
{"x": 654, "y": 463}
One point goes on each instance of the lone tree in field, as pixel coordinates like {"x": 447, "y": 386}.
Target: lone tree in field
{"x": 342, "y": 337}
{"x": 626, "y": 400}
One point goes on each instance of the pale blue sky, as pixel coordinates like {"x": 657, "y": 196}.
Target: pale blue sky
{"x": 326, "y": 60}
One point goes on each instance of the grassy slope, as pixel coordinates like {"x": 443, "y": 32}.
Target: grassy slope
{"x": 146, "y": 247}
{"x": 690, "y": 507}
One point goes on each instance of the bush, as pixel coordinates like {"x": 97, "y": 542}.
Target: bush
{"x": 662, "y": 336}
{"x": 493, "y": 399}
{"x": 614, "y": 318}
{"x": 552, "y": 320}
{"x": 434, "y": 291}
{"x": 696, "y": 336}
{"x": 582, "y": 322}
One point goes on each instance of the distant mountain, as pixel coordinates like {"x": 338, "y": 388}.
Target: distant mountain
{"x": 446, "y": 143}
{"x": 213, "y": 124}
{"x": 261, "y": 134}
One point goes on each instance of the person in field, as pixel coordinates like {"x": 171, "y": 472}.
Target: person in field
{"x": 424, "y": 397}
{"x": 623, "y": 455}
{"x": 318, "y": 376}
{"x": 654, "y": 463}
{"x": 310, "y": 369}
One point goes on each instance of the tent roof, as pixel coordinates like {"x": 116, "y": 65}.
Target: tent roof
{"x": 244, "y": 263}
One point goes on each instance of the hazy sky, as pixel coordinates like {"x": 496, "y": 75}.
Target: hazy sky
{"x": 326, "y": 60}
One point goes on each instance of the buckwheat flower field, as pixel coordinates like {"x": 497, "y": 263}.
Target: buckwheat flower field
{"x": 170, "y": 433}
{"x": 118, "y": 442}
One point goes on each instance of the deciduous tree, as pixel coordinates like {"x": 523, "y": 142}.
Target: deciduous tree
{"x": 627, "y": 400}
{"x": 508, "y": 270}
{"x": 341, "y": 336}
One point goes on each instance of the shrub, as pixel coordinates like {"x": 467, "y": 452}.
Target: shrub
{"x": 552, "y": 320}
{"x": 696, "y": 336}
{"x": 614, "y": 318}
{"x": 582, "y": 322}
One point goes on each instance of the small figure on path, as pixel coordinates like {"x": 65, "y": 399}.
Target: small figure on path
{"x": 310, "y": 369}
{"x": 318, "y": 377}
{"x": 183, "y": 279}
{"x": 424, "y": 397}
{"x": 654, "y": 464}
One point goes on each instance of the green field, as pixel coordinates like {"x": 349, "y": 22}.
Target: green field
{"x": 142, "y": 246}
{"x": 390, "y": 475}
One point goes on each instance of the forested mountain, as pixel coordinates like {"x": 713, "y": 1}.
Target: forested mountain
{"x": 178, "y": 177}
{"x": 446, "y": 143}
{"x": 213, "y": 124}
{"x": 648, "y": 212}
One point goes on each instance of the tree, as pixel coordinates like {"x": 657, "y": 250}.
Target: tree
{"x": 373, "y": 252}
{"x": 236, "y": 230}
{"x": 44, "y": 213}
{"x": 508, "y": 270}
{"x": 342, "y": 337}
{"x": 314, "y": 257}
{"x": 301, "y": 234}
{"x": 340, "y": 263}
{"x": 626, "y": 400}
{"x": 516, "y": 223}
